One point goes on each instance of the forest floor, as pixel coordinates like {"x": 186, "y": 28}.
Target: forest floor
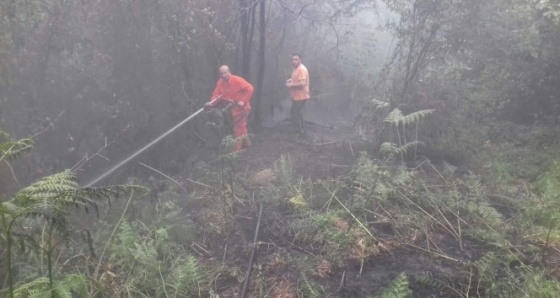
{"x": 290, "y": 263}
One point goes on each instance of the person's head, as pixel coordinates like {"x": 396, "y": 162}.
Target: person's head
{"x": 296, "y": 59}
{"x": 224, "y": 72}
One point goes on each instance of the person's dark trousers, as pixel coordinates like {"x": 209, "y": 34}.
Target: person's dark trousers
{"x": 296, "y": 114}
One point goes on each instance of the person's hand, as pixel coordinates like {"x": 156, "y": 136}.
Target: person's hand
{"x": 288, "y": 82}
{"x": 240, "y": 103}
{"x": 207, "y": 105}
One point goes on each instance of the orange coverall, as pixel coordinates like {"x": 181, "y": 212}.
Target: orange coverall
{"x": 236, "y": 89}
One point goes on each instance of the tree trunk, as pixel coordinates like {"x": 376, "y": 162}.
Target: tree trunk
{"x": 260, "y": 77}
{"x": 245, "y": 41}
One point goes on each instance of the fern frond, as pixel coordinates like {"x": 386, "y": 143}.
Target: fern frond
{"x": 62, "y": 291}
{"x": 35, "y": 288}
{"x": 283, "y": 169}
{"x": 298, "y": 201}
{"x": 188, "y": 277}
{"x": 486, "y": 267}
{"x": 127, "y": 235}
{"x": 308, "y": 289}
{"x": 448, "y": 169}
{"x": 392, "y": 149}
{"x": 428, "y": 280}
{"x": 76, "y": 284}
{"x": 388, "y": 148}
{"x": 490, "y": 213}
{"x": 475, "y": 186}
{"x": 61, "y": 190}
{"x": 378, "y": 104}
{"x": 394, "y": 117}
{"x": 72, "y": 286}
{"x": 369, "y": 180}
{"x": 398, "y": 288}
{"x": 8, "y": 208}
{"x": 415, "y": 117}
{"x": 12, "y": 149}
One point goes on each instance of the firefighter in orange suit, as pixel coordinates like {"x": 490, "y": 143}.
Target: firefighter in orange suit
{"x": 237, "y": 91}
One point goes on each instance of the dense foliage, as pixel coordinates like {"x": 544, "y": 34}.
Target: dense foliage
{"x": 455, "y": 105}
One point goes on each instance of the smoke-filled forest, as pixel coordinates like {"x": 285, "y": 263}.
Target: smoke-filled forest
{"x": 279, "y": 148}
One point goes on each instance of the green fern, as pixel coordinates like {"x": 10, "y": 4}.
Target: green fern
{"x": 62, "y": 190}
{"x": 427, "y": 280}
{"x": 448, "y": 169}
{"x": 376, "y": 182}
{"x": 474, "y": 186}
{"x": 527, "y": 284}
{"x": 49, "y": 200}
{"x": 395, "y": 117}
{"x": 124, "y": 240}
{"x": 486, "y": 267}
{"x": 398, "y": 288}
{"x": 10, "y": 149}
{"x": 308, "y": 289}
{"x": 299, "y": 202}
{"x": 72, "y": 286}
{"x": 378, "y": 104}
{"x": 389, "y": 148}
{"x": 283, "y": 170}
{"x": 415, "y": 117}
{"x": 188, "y": 277}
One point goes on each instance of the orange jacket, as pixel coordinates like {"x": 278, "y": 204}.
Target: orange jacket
{"x": 236, "y": 89}
{"x": 300, "y": 74}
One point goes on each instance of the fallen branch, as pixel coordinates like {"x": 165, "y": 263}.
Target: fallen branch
{"x": 164, "y": 175}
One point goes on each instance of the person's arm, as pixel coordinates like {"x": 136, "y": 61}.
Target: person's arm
{"x": 245, "y": 92}
{"x": 215, "y": 95}
{"x": 301, "y": 80}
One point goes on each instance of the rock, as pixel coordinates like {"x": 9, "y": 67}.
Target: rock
{"x": 264, "y": 177}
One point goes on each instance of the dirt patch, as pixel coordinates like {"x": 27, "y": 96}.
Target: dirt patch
{"x": 316, "y": 156}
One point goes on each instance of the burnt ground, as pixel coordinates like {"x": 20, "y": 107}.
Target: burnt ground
{"x": 323, "y": 152}
{"x": 277, "y": 270}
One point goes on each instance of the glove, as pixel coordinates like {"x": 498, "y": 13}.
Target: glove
{"x": 207, "y": 106}
{"x": 240, "y": 103}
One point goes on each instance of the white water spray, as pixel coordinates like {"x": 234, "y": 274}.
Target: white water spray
{"x": 144, "y": 148}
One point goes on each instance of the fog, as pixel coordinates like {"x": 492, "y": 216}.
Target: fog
{"x": 411, "y": 103}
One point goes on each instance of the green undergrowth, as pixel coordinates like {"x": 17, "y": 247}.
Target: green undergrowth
{"x": 382, "y": 230}
{"x": 495, "y": 240}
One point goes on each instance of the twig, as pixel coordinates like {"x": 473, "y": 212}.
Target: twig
{"x": 436, "y": 253}
{"x": 12, "y": 171}
{"x": 351, "y": 149}
{"x": 361, "y": 267}
{"x": 251, "y": 259}
{"x": 163, "y": 282}
{"x": 45, "y": 129}
{"x": 355, "y": 218}
{"x": 111, "y": 236}
{"x": 460, "y": 233}
{"x": 198, "y": 183}
{"x": 86, "y": 158}
{"x": 543, "y": 259}
{"x": 341, "y": 281}
{"x": 224, "y": 256}
{"x": 428, "y": 214}
{"x": 164, "y": 175}
{"x": 201, "y": 247}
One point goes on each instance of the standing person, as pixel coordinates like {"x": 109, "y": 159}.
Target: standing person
{"x": 298, "y": 86}
{"x": 237, "y": 91}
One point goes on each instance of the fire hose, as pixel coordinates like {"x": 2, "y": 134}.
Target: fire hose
{"x": 149, "y": 145}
